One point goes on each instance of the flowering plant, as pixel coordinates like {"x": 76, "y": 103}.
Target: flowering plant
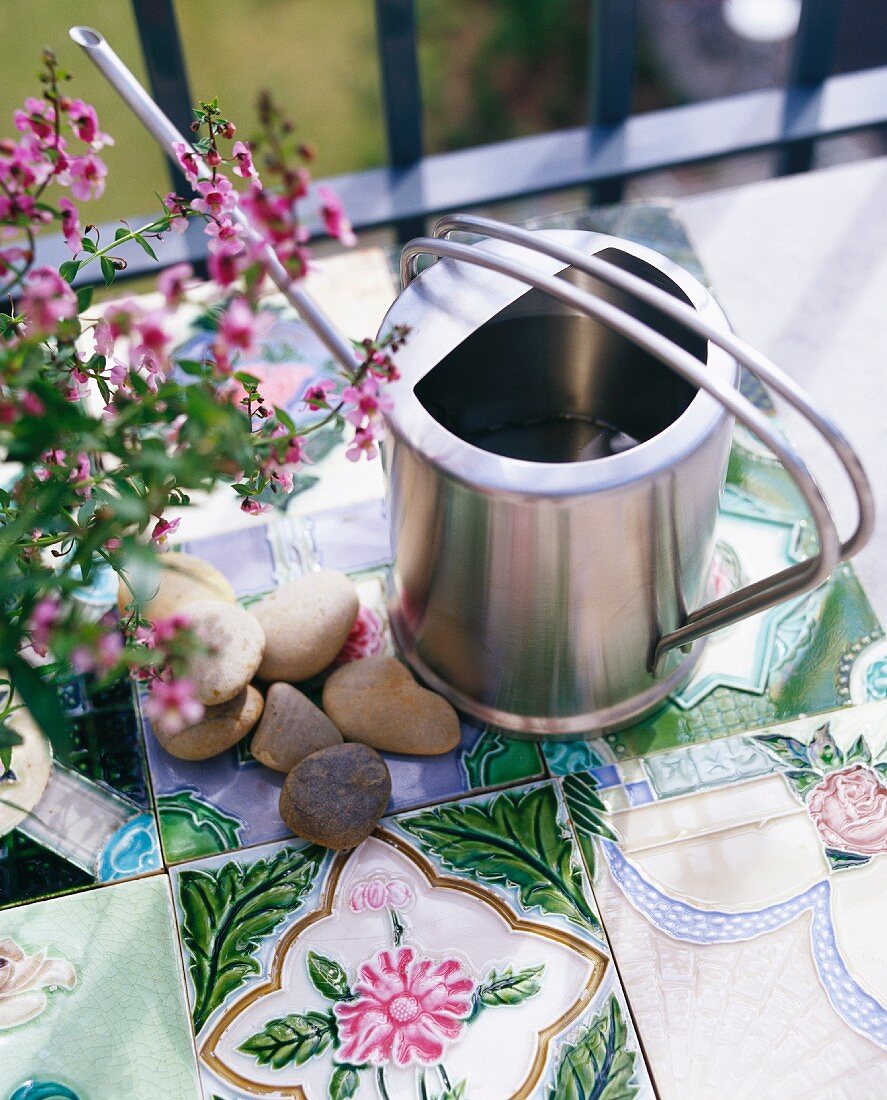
{"x": 99, "y": 437}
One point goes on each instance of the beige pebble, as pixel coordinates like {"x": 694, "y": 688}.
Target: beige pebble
{"x": 220, "y": 728}
{"x": 306, "y": 622}
{"x": 292, "y": 728}
{"x": 236, "y": 644}
{"x": 336, "y": 797}
{"x": 183, "y": 579}
{"x": 375, "y": 700}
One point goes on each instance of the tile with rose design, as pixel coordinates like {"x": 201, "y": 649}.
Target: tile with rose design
{"x": 92, "y": 998}
{"x": 457, "y": 952}
{"x": 744, "y": 903}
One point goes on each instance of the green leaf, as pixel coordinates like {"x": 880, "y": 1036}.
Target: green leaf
{"x": 69, "y": 269}
{"x": 802, "y": 779}
{"x": 839, "y": 859}
{"x": 504, "y": 987}
{"x": 229, "y": 910}
{"x": 9, "y": 738}
{"x": 598, "y": 1066}
{"x": 87, "y": 244}
{"x": 858, "y": 753}
{"x": 786, "y": 750}
{"x": 109, "y": 272}
{"x": 514, "y": 839}
{"x": 344, "y": 1083}
{"x": 823, "y": 750}
{"x": 292, "y": 1040}
{"x": 84, "y": 298}
{"x": 120, "y": 233}
{"x": 454, "y": 1092}
{"x": 328, "y": 977}
{"x": 42, "y": 701}
{"x": 145, "y": 247}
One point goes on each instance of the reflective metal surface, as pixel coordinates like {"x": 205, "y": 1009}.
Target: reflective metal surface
{"x": 534, "y": 584}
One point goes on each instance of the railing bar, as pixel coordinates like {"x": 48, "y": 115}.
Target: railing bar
{"x": 165, "y": 64}
{"x": 612, "y": 53}
{"x": 396, "y": 30}
{"x": 811, "y": 61}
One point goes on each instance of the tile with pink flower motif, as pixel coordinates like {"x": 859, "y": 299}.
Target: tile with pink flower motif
{"x": 455, "y": 953}
{"x": 744, "y": 902}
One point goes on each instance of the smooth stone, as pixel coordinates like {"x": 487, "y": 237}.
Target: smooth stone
{"x": 376, "y": 701}
{"x": 183, "y": 579}
{"x": 292, "y": 728}
{"x": 220, "y": 728}
{"x": 337, "y": 796}
{"x": 306, "y": 623}
{"x": 236, "y": 645}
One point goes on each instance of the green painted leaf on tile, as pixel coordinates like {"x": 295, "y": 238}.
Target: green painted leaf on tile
{"x": 496, "y": 759}
{"x": 328, "y": 977}
{"x": 505, "y": 987}
{"x": 292, "y": 1040}
{"x": 344, "y": 1083}
{"x": 588, "y": 814}
{"x": 514, "y": 839}
{"x": 191, "y": 827}
{"x": 598, "y": 1065}
{"x": 858, "y": 753}
{"x": 228, "y": 911}
{"x": 839, "y": 860}
{"x": 786, "y": 750}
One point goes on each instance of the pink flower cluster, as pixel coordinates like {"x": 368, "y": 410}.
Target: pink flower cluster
{"x": 380, "y": 892}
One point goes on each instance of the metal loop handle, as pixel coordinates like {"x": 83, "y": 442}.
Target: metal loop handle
{"x": 758, "y": 596}
{"x": 758, "y": 364}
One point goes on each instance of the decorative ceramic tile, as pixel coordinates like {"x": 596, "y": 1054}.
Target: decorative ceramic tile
{"x": 744, "y": 905}
{"x": 84, "y": 814}
{"x": 457, "y": 952}
{"x": 803, "y": 656}
{"x": 92, "y": 998}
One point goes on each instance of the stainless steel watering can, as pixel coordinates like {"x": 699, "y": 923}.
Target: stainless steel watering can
{"x": 557, "y": 452}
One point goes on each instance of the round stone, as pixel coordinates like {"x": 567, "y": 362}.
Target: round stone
{"x": 235, "y": 645}
{"x": 183, "y": 579}
{"x": 292, "y": 728}
{"x": 220, "y": 728}
{"x": 376, "y": 701}
{"x": 337, "y": 796}
{"x": 306, "y": 623}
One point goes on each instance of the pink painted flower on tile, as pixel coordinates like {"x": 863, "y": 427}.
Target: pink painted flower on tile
{"x": 849, "y": 809}
{"x": 405, "y": 1010}
{"x": 380, "y": 892}
{"x": 365, "y": 639}
{"x": 24, "y": 980}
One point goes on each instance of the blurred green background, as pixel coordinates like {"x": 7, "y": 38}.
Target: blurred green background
{"x": 490, "y": 69}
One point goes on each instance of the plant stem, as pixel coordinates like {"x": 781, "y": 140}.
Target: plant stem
{"x": 443, "y": 1076}
{"x": 380, "y": 1081}
{"x": 423, "y": 1086}
{"x": 397, "y": 925}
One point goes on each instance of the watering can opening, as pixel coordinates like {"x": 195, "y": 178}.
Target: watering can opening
{"x": 543, "y": 382}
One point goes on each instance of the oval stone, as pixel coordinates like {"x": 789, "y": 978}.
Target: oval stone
{"x": 236, "y": 644}
{"x": 337, "y": 796}
{"x": 292, "y": 728}
{"x": 183, "y": 579}
{"x": 376, "y": 701}
{"x": 306, "y": 623}
{"x": 220, "y": 728}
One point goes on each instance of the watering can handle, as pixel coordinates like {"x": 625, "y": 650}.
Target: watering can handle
{"x": 760, "y": 595}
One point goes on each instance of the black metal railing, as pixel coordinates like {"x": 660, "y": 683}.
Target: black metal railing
{"x": 613, "y": 148}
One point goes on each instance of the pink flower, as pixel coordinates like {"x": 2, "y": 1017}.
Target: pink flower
{"x": 32, "y": 405}
{"x": 163, "y": 631}
{"x": 334, "y": 220}
{"x": 103, "y": 656}
{"x": 173, "y": 704}
{"x": 363, "y": 443}
{"x": 46, "y": 300}
{"x": 43, "y": 618}
{"x": 162, "y": 530}
{"x": 237, "y": 326}
{"x": 315, "y": 396}
{"x": 85, "y": 124}
{"x": 216, "y": 197}
{"x": 176, "y": 208}
{"x": 171, "y": 283}
{"x": 70, "y": 224}
{"x": 404, "y": 1010}
{"x": 243, "y": 163}
{"x": 380, "y": 893}
{"x": 365, "y": 639}
{"x": 87, "y": 177}
{"x": 368, "y": 401}
{"x": 187, "y": 160}
{"x": 225, "y": 267}
{"x": 849, "y": 808}
{"x": 82, "y": 475}
{"x": 38, "y": 118}
{"x": 252, "y": 507}
{"x": 224, "y": 236}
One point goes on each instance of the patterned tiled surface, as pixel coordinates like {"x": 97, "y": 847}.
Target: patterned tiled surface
{"x": 729, "y": 854}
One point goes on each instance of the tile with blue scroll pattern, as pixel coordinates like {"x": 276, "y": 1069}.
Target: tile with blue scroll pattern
{"x": 456, "y": 952}
{"x": 92, "y": 998}
{"x": 742, "y": 903}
